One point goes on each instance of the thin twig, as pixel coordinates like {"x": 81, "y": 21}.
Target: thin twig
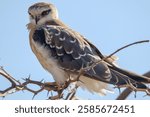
{"x": 128, "y": 91}
{"x": 138, "y": 42}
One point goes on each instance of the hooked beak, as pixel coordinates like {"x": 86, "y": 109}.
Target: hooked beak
{"x": 37, "y": 19}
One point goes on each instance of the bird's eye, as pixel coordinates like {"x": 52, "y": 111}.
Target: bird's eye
{"x": 44, "y": 13}
{"x": 31, "y": 15}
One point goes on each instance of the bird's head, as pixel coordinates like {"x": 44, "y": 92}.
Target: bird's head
{"x": 40, "y": 13}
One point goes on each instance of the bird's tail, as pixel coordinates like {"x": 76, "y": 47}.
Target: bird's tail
{"x": 123, "y": 78}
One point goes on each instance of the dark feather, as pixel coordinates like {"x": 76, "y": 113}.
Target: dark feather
{"x": 73, "y": 52}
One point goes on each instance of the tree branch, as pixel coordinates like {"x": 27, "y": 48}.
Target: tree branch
{"x": 128, "y": 91}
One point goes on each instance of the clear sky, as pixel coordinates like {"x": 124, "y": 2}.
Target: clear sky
{"x": 109, "y": 24}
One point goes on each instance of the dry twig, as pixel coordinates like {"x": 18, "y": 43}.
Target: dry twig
{"x": 128, "y": 91}
{"x": 17, "y": 86}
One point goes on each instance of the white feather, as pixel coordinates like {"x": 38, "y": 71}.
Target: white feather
{"x": 50, "y": 64}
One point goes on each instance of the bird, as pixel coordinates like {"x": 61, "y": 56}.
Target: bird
{"x": 64, "y": 52}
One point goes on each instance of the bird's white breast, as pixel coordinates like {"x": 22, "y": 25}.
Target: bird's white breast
{"x": 49, "y": 63}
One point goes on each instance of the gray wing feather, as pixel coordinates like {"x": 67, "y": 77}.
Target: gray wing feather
{"x": 73, "y": 53}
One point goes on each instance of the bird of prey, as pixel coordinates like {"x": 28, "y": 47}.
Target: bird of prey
{"x": 64, "y": 52}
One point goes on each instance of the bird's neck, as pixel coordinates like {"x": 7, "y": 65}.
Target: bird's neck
{"x": 56, "y": 22}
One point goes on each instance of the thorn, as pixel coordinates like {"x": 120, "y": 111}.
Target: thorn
{"x": 50, "y": 98}
{"x": 24, "y": 79}
{"x": 42, "y": 80}
{"x": 34, "y": 96}
{"x": 29, "y": 76}
{"x": 119, "y": 90}
{"x": 1, "y": 67}
{"x": 135, "y": 92}
{"x": 18, "y": 81}
{"x": 3, "y": 97}
{"x": 27, "y": 79}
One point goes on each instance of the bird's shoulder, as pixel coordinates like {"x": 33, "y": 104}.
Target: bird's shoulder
{"x": 69, "y": 47}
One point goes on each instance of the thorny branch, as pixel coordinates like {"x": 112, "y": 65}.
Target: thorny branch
{"x": 52, "y": 86}
{"x": 17, "y": 85}
{"x": 128, "y": 91}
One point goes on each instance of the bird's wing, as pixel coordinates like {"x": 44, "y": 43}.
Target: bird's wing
{"x": 71, "y": 51}
{"x": 121, "y": 77}
{"x": 111, "y": 60}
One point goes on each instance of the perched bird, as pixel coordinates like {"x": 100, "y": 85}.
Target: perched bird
{"x": 63, "y": 52}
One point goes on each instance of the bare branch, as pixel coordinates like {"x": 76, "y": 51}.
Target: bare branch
{"x": 128, "y": 91}
{"x": 14, "y": 83}
{"x": 138, "y": 42}
{"x": 17, "y": 86}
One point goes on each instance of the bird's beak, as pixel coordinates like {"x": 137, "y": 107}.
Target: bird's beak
{"x": 37, "y": 19}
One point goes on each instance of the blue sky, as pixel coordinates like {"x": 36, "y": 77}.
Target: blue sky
{"x": 109, "y": 24}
